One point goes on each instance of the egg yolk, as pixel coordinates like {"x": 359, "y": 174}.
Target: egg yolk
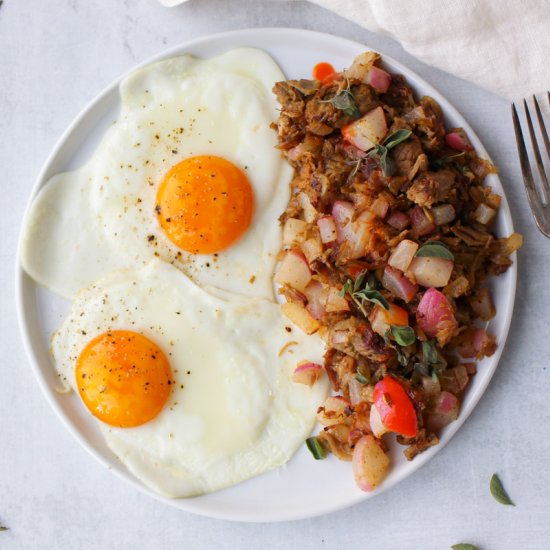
{"x": 123, "y": 378}
{"x": 204, "y": 204}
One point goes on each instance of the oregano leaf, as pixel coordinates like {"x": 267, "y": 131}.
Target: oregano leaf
{"x": 464, "y": 546}
{"x": 429, "y": 351}
{"x": 434, "y": 249}
{"x": 498, "y": 491}
{"x": 396, "y": 138}
{"x": 344, "y": 101}
{"x": 404, "y": 336}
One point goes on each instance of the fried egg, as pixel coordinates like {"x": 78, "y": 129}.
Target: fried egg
{"x": 192, "y": 392}
{"x": 188, "y": 173}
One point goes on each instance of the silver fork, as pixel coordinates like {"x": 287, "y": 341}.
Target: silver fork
{"x": 538, "y": 196}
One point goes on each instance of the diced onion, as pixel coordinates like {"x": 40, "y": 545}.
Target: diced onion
{"x": 403, "y": 254}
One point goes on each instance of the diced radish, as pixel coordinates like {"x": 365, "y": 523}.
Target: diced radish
{"x": 307, "y": 373}
{"x": 476, "y": 343}
{"x": 379, "y": 79}
{"x": 443, "y": 214}
{"x": 398, "y": 284}
{"x": 431, "y": 272}
{"x": 312, "y": 249}
{"x": 338, "y": 337}
{"x": 310, "y": 212}
{"x": 354, "y": 233}
{"x": 327, "y": 229}
{"x": 445, "y": 411}
{"x": 377, "y": 427}
{"x": 369, "y": 463}
{"x": 366, "y": 131}
{"x": 458, "y": 140}
{"x": 333, "y": 410}
{"x": 484, "y": 214}
{"x": 403, "y": 254}
{"x": 315, "y": 299}
{"x": 421, "y": 224}
{"x": 380, "y": 207}
{"x": 298, "y": 314}
{"x": 435, "y": 316}
{"x": 342, "y": 213}
{"x": 455, "y": 379}
{"x": 335, "y": 302}
{"x": 399, "y": 220}
{"x": 358, "y": 235}
{"x": 361, "y": 65}
{"x": 431, "y": 385}
{"x": 482, "y": 304}
{"x": 294, "y": 231}
{"x": 352, "y": 152}
{"x": 355, "y": 391}
{"x": 293, "y": 271}
{"x": 378, "y": 322}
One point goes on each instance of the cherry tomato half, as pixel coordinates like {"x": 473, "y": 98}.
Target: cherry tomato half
{"x": 395, "y": 407}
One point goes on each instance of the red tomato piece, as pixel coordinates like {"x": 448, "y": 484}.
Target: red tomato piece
{"x": 324, "y": 71}
{"x": 395, "y": 315}
{"x": 395, "y": 407}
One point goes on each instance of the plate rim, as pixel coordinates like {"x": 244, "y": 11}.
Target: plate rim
{"x": 20, "y": 275}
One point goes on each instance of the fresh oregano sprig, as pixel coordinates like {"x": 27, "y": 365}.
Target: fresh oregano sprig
{"x": 431, "y": 362}
{"x": 381, "y": 150}
{"x": 362, "y": 291}
{"x": 345, "y": 102}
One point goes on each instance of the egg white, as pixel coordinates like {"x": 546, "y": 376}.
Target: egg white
{"x": 86, "y": 223}
{"x": 233, "y": 412}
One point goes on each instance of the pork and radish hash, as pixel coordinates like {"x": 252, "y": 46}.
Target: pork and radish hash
{"x": 388, "y": 254}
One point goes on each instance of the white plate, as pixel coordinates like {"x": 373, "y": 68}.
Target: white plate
{"x": 304, "y": 487}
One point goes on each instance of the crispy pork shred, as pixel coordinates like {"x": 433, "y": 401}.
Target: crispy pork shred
{"x": 357, "y": 197}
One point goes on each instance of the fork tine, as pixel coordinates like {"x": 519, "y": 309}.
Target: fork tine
{"x": 544, "y": 180}
{"x": 524, "y": 162}
{"x": 542, "y": 127}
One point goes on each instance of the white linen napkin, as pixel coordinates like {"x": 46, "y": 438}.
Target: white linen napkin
{"x": 501, "y": 45}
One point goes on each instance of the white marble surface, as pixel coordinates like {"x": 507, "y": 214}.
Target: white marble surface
{"x": 54, "y": 57}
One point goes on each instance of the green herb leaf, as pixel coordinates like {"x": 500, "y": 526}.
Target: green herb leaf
{"x": 402, "y": 358}
{"x": 368, "y": 293}
{"x": 2, "y": 528}
{"x": 360, "y": 280}
{"x": 434, "y": 249}
{"x": 429, "y": 352}
{"x": 316, "y": 448}
{"x": 344, "y": 101}
{"x": 423, "y": 368}
{"x": 396, "y": 138}
{"x": 381, "y": 150}
{"x": 372, "y": 296}
{"x": 404, "y": 336}
{"x": 381, "y": 153}
{"x": 498, "y": 492}
{"x": 464, "y": 546}
{"x": 348, "y": 287}
{"x": 356, "y": 165}
{"x": 361, "y": 379}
